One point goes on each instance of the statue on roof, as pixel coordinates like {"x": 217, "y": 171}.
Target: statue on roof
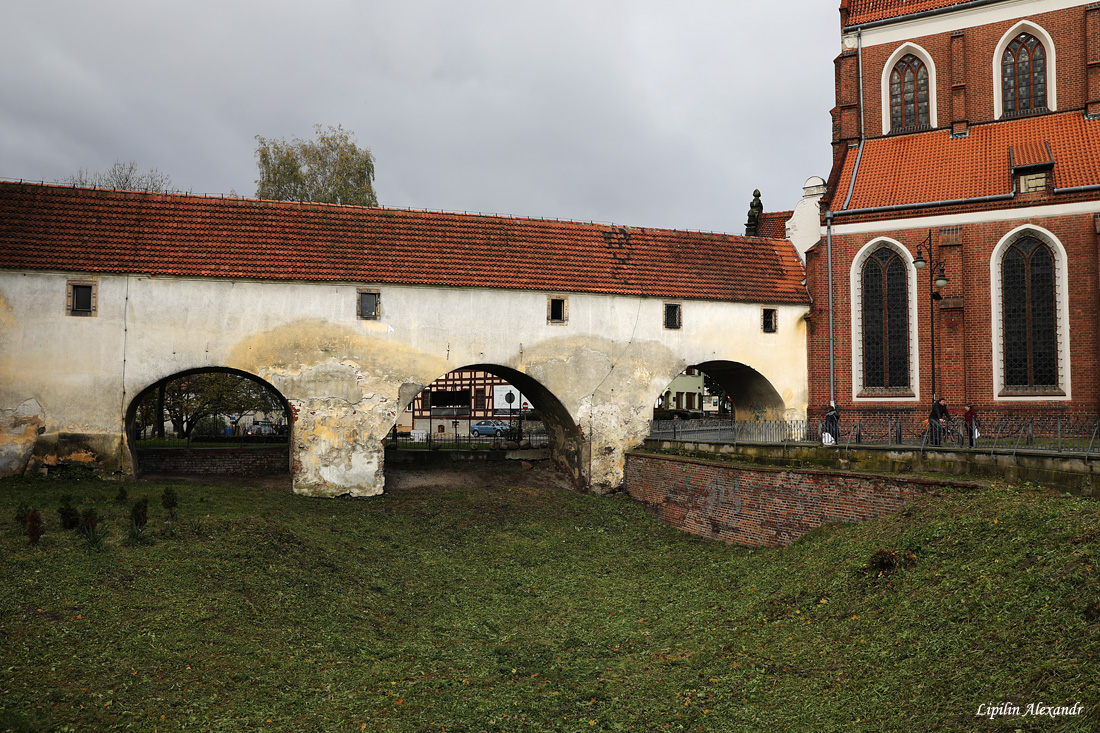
{"x": 756, "y": 208}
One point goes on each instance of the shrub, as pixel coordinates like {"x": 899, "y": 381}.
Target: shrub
{"x": 139, "y": 515}
{"x": 139, "y": 521}
{"x": 70, "y": 517}
{"x": 35, "y": 526}
{"x": 170, "y": 501}
{"x": 120, "y": 497}
{"x": 91, "y": 529}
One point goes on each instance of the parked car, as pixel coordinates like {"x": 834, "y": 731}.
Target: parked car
{"x": 489, "y": 427}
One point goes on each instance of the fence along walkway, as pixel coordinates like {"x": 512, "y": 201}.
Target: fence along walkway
{"x": 997, "y": 432}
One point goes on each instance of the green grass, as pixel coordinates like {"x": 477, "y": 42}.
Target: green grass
{"x": 514, "y": 606}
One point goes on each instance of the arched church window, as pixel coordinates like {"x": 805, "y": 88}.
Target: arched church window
{"x": 908, "y": 93}
{"x": 885, "y": 282}
{"x": 1030, "y": 321}
{"x": 1024, "y": 74}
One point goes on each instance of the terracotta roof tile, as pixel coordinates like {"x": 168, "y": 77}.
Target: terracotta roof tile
{"x": 866, "y": 11}
{"x": 89, "y": 230}
{"x": 773, "y": 224}
{"x": 932, "y": 166}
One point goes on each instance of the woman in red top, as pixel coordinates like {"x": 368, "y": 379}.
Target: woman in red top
{"x": 970, "y": 420}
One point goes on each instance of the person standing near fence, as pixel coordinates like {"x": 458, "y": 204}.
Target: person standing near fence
{"x": 970, "y": 420}
{"x": 832, "y": 424}
{"x": 937, "y": 420}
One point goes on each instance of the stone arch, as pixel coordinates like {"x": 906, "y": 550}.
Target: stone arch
{"x": 132, "y": 407}
{"x": 565, "y": 441}
{"x": 751, "y": 393}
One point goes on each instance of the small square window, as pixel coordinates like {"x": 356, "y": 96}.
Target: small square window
{"x": 81, "y": 298}
{"x": 369, "y": 305}
{"x": 770, "y": 320}
{"x": 672, "y": 315}
{"x": 557, "y": 309}
{"x": 1033, "y": 182}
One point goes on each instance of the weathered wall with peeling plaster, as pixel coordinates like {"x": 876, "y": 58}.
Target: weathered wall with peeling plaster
{"x": 347, "y": 378}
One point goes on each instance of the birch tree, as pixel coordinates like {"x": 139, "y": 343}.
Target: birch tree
{"x": 122, "y": 176}
{"x": 330, "y": 169}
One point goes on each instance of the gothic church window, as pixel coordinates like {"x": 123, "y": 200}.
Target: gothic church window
{"x": 1024, "y": 75}
{"x": 1029, "y": 317}
{"x": 908, "y": 93}
{"x": 885, "y": 283}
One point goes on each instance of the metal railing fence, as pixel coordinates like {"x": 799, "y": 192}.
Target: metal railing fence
{"x": 996, "y": 432}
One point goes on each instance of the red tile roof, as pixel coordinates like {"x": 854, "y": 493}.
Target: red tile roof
{"x": 865, "y": 11}
{"x": 932, "y": 166}
{"x": 773, "y": 224}
{"x": 87, "y": 230}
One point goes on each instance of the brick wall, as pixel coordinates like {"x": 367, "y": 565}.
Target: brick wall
{"x": 214, "y": 461}
{"x": 964, "y": 68}
{"x": 964, "y": 320}
{"x": 760, "y": 507}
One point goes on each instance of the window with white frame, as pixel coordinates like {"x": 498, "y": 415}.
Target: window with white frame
{"x": 908, "y": 87}
{"x": 1030, "y": 310}
{"x": 908, "y": 94}
{"x": 1024, "y": 66}
{"x": 1028, "y": 316}
{"x": 885, "y": 302}
{"x": 884, "y": 323}
{"x": 1024, "y": 75}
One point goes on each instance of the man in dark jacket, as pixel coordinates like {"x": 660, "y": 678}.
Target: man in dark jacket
{"x": 937, "y": 420}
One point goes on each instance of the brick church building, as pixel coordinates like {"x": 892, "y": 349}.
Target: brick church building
{"x": 960, "y": 250}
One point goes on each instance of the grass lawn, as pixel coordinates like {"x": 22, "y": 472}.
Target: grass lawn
{"x": 510, "y": 604}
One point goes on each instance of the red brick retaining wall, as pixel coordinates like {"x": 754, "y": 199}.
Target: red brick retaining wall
{"x": 760, "y": 506}
{"x": 215, "y": 461}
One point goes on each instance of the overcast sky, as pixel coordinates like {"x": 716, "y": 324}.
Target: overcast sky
{"x": 638, "y": 113}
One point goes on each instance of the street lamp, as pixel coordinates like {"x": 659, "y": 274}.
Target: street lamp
{"x": 939, "y": 281}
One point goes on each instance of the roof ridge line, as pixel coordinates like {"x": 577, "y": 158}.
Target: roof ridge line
{"x": 408, "y": 209}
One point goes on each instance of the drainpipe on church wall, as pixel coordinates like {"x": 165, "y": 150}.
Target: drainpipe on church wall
{"x": 829, "y": 261}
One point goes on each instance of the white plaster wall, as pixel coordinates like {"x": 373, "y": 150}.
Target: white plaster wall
{"x": 71, "y": 365}
{"x": 345, "y": 376}
{"x": 804, "y": 226}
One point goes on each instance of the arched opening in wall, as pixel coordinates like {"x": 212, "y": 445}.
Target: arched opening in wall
{"x": 210, "y": 422}
{"x": 485, "y": 413}
{"x": 716, "y": 399}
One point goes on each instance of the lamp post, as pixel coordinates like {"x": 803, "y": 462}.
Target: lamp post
{"x": 934, "y": 281}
